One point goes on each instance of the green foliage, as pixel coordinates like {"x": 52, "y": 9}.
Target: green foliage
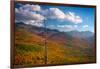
{"x": 28, "y": 48}
{"x": 27, "y": 54}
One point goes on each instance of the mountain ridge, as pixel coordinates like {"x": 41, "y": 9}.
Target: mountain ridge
{"x": 44, "y": 30}
{"x": 62, "y": 47}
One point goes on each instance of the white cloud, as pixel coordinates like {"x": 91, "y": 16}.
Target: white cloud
{"x": 34, "y": 15}
{"x": 66, "y": 27}
{"x": 31, "y": 7}
{"x": 26, "y": 15}
{"x": 35, "y": 23}
{"x": 85, "y": 26}
{"x": 56, "y": 13}
{"x": 76, "y": 26}
{"x": 70, "y": 16}
{"x": 53, "y": 13}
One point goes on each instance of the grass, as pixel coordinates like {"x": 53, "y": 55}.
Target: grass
{"x": 33, "y": 54}
{"x": 29, "y": 49}
{"x": 27, "y": 54}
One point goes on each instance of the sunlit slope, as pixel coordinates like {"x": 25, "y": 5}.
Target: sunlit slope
{"x": 62, "y": 48}
{"x": 29, "y": 48}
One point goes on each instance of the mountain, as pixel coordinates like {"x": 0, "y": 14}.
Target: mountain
{"x": 41, "y": 31}
{"x": 54, "y": 34}
{"x": 62, "y": 47}
{"x": 82, "y": 34}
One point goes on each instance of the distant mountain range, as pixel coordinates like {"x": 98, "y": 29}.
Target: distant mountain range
{"x": 55, "y": 34}
{"x": 63, "y": 47}
{"x": 82, "y": 34}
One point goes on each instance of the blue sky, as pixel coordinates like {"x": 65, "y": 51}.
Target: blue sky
{"x": 62, "y": 18}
